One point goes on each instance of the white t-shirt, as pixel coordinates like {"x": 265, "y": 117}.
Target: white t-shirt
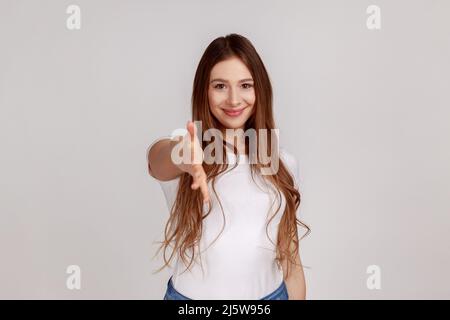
{"x": 240, "y": 264}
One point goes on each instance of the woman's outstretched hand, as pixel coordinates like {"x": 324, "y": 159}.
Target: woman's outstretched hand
{"x": 194, "y": 166}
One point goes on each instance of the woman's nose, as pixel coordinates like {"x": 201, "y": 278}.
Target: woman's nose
{"x": 234, "y": 98}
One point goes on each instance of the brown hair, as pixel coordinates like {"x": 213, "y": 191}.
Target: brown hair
{"x": 184, "y": 226}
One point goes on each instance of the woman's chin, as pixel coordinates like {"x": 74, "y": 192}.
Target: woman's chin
{"x": 233, "y": 124}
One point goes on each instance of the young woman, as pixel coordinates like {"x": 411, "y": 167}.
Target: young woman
{"x": 232, "y": 228}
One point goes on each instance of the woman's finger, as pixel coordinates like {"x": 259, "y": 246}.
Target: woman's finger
{"x": 204, "y": 189}
{"x": 195, "y": 185}
{"x": 199, "y": 177}
{"x": 197, "y": 173}
{"x": 191, "y": 129}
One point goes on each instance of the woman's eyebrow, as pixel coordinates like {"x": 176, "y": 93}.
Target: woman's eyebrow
{"x": 223, "y": 80}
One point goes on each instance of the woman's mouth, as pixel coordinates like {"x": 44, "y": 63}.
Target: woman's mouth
{"x": 233, "y": 112}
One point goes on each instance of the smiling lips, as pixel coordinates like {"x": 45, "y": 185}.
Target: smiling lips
{"x": 233, "y": 112}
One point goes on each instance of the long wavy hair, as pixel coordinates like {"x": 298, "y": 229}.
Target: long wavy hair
{"x": 184, "y": 227}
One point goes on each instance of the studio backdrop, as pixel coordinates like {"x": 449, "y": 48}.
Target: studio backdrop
{"x": 361, "y": 99}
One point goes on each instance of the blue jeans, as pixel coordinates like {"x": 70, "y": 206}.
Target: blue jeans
{"x": 279, "y": 294}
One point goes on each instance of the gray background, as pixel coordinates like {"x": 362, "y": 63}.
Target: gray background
{"x": 366, "y": 113}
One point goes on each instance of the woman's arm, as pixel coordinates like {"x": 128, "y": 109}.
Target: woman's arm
{"x": 295, "y": 283}
{"x": 160, "y": 165}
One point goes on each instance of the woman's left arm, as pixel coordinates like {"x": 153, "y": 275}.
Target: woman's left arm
{"x": 295, "y": 283}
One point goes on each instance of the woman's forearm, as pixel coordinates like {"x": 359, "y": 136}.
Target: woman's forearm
{"x": 296, "y": 286}
{"x": 160, "y": 165}
{"x": 295, "y": 283}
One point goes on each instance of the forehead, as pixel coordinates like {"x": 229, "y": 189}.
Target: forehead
{"x": 232, "y": 69}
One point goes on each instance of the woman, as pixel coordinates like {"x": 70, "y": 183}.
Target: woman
{"x": 232, "y": 228}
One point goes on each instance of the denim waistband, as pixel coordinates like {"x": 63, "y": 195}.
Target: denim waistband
{"x": 279, "y": 294}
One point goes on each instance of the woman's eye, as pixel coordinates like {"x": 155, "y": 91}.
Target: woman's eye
{"x": 221, "y": 86}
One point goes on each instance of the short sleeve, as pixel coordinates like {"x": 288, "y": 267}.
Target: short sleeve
{"x": 169, "y": 187}
{"x": 175, "y": 133}
{"x": 170, "y": 190}
{"x": 150, "y": 147}
{"x": 292, "y": 165}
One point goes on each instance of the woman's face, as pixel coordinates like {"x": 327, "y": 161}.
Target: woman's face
{"x": 231, "y": 93}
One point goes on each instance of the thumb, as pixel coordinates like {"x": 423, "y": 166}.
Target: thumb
{"x": 192, "y": 129}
